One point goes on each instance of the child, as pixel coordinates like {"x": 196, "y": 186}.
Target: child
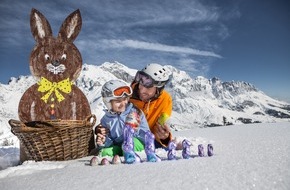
{"x": 125, "y": 124}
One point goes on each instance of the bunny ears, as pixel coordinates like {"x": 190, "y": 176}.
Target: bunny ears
{"x": 69, "y": 30}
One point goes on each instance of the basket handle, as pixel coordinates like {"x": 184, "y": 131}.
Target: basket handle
{"x": 14, "y": 124}
{"x": 91, "y": 119}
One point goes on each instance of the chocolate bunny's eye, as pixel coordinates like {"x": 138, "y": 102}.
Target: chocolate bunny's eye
{"x": 63, "y": 57}
{"x": 46, "y": 56}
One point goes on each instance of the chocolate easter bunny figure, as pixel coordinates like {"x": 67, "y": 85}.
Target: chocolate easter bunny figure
{"x": 57, "y": 63}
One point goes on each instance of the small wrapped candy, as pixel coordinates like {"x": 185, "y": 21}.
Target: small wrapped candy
{"x": 94, "y": 161}
{"x": 116, "y": 160}
{"x": 105, "y": 162}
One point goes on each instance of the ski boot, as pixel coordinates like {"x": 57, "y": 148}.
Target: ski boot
{"x": 200, "y": 150}
{"x": 185, "y": 149}
{"x": 209, "y": 150}
{"x": 150, "y": 148}
{"x": 128, "y": 146}
{"x": 171, "y": 155}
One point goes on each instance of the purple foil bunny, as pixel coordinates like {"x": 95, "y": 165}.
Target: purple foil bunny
{"x": 200, "y": 150}
{"x": 171, "y": 155}
{"x": 209, "y": 150}
{"x": 186, "y": 149}
{"x": 150, "y": 148}
{"x": 128, "y": 146}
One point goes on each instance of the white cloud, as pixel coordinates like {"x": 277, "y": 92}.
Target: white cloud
{"x": 156, "y": 47}
{"x": 193, "y": 67}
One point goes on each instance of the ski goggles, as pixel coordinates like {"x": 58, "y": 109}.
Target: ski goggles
{"x": 118, "y": 92}
{"x": 144, "y": 79}
{"x": 147, "y": 81}
{"x": 122, "y": 91}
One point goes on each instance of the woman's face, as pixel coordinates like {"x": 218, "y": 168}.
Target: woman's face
{"x": 119, "y": 104}
{"x": 145, "y": 94}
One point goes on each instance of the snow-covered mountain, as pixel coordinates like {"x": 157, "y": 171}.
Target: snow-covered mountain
{"x": 197, "y": 102}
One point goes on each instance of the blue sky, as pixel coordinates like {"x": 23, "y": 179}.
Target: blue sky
{"x": 240, "y": 40}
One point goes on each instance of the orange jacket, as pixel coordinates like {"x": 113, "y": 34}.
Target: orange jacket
{"x": 153, "y": 109}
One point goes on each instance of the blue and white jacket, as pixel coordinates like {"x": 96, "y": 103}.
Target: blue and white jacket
{"x": 116, "y": 122}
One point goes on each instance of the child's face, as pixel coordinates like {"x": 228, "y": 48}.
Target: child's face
{"x": 119, "y": 104}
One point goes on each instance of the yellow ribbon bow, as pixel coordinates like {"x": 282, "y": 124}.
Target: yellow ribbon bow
{"x": 50, "y": 87}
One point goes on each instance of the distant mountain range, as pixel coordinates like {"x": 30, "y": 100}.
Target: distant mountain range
{"x": 198, "y": 102}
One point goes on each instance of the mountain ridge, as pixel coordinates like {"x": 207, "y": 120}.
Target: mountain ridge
{"x": 198, "y": 102}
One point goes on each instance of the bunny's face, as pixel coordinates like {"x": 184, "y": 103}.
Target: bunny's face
{"x": 55, "y": 58}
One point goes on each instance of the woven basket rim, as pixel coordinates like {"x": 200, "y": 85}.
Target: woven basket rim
{"x": 50, "y": 125}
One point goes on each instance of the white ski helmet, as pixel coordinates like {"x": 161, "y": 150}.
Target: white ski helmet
{"x": 158, "y": 73}
{"x": 114, "y": 89}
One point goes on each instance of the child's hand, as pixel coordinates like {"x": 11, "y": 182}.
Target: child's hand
{"x": 101, "y": 133}
{"x": 100, "y": 139}
{"x": 100, "y": 129}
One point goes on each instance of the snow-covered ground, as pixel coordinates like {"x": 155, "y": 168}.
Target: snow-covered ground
{"x": 253, "y": 156}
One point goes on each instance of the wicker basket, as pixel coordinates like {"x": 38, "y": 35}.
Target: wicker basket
{"x": 54, "y": 140}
